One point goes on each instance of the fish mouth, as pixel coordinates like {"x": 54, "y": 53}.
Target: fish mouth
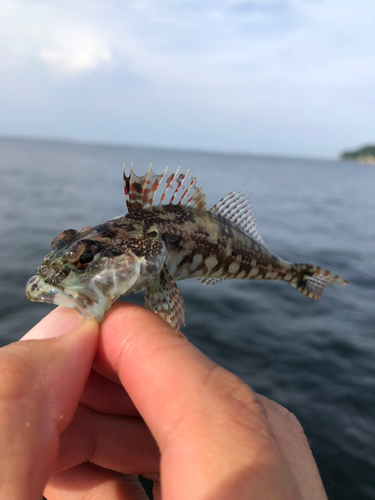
{"x": 89, "y": 304}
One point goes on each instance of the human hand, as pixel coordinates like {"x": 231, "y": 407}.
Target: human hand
{"x": 217, "y": 439}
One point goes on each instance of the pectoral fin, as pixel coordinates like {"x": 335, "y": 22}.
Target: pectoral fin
{"x": 164, "y": 298}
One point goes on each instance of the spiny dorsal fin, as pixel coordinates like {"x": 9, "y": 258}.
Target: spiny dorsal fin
{"x": 236, "y": 207}
{"x": 140, "y": 191}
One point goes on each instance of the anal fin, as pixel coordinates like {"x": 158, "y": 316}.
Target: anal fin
{"x": 210, "y": 281}
{"x": 164, "y": 298}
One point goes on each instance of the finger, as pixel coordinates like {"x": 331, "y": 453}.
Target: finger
{"x": 103, "y": 395}
{"x": 60, "y": 321}
{"x": 123, "y": 444}
{"x": 90, "y": 482}
{"x": 210, "y": 426}
{"x": 40, "y": 385}
{"x": 295, "y": 448}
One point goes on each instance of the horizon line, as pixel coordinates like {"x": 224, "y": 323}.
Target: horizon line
{"x": 88, "y": 142}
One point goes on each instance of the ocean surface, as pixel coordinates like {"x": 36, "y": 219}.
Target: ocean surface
{"x": 317, "y": 358}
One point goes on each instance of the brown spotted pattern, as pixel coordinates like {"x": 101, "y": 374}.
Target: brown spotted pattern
{"x": 204, "y": 245}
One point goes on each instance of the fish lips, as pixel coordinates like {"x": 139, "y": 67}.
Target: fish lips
{"x": 90, "y": 305}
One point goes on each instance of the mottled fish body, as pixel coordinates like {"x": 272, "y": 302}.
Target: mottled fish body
{"x": 155, "y": 245}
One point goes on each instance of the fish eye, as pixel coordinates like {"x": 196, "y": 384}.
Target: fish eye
{"x": 83, "y": 253}
{"x": 86, "y": 257}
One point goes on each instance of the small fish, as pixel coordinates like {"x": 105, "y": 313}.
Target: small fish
{"x": 157, "y": 244}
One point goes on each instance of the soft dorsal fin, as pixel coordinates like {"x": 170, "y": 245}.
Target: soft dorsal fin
{"x": 236, "y": 207}
{"x": 140, "y": 191}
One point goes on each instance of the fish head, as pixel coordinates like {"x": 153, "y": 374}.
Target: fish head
{"x": 91, "y": 268}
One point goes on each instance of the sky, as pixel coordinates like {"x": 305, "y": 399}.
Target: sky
{"x": 274, "y": 77}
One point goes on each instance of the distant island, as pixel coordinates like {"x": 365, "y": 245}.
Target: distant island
{"x": 363, "y": 155}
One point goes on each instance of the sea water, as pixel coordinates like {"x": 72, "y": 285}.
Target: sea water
{"x": 317, "y": 358}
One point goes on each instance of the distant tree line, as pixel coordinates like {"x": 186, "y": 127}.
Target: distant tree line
{"x": 365, "y": 154}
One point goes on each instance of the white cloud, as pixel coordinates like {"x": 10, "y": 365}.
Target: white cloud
{"x": 62, "y": 36}
{"x": 262, "y": 60}
{"x": 171, "y": 42}
{"x": 76, "y": 51}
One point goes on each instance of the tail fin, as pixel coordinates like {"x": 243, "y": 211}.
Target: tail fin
{"x": 313, "y": 280}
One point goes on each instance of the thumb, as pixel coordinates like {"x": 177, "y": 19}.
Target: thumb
{"x": 40, "y": 385}
{"x": 60, "y": 321}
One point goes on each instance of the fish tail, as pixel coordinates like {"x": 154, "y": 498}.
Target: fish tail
{"x": 312, "y": 280}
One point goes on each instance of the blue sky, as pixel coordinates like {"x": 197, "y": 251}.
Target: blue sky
{"x": 288, "y": 77}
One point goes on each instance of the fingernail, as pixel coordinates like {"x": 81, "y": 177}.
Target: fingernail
{"x": 60, "y": 321}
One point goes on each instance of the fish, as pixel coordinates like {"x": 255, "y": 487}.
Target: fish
{"x": 159, "y": 242}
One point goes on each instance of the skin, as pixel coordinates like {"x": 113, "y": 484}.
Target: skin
{"x": 139, "y": 399}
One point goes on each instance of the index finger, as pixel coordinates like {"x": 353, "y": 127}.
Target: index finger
{"x": 159, "y": 369}
{"x": 209, "y": 424}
